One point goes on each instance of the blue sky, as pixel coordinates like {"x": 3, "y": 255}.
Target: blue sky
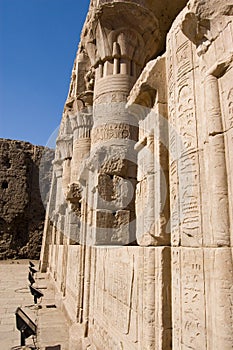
{"x": 38, "y": 43}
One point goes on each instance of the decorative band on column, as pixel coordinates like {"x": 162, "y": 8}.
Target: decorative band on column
{"x": 119, "y": 82}
{"x": 114, "y": 131}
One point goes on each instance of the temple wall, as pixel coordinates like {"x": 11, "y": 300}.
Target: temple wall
{"x": 199, "y": 87}
{"x": 130, "y": 305}
{"x": 153, "y": 116}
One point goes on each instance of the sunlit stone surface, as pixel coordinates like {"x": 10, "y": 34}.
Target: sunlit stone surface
{"x": 139, "y": 228}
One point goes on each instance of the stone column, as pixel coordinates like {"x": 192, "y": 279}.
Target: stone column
{"x": 113, "y": 136}
{"x": 48, "y": 226}
{"x": 218, "y": 186}
{"x": 118, "y": 54}
{"x": 152, "y": 198}
{"x": 108, "y": 213}
{"x": 58, "y": 169}
{"x": 81, "y": 143}
{"x": 66, "y": 174}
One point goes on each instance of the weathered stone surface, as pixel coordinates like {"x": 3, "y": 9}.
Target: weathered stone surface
{"x": 200, "y": 278}
{"x": 139, "y": 229}
{"x": 21, "y": 208}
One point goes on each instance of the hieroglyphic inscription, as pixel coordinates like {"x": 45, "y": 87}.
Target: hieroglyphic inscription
{"x": 176, "y": 298}
{"x": 192, "y": 296}
{"x": 173, "y": 143}
{"x": 189, "y": 213}
{"x": 174, "y": 218}
{"x": 218, "y": 282}
{"x": 114, "y": 291}
{"x": 149, "y": 308}
{"x": 184, "y": 166}
{"x": 114, "y": 131}
{"x": 188, "y": 163}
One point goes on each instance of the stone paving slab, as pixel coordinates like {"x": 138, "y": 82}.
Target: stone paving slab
{"x": 52, "y": 328}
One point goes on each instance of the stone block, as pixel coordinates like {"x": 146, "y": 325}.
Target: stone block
{"x": 202, "y": 293}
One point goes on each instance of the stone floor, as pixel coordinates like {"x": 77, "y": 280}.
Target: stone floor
{"x": 52, "y": 328}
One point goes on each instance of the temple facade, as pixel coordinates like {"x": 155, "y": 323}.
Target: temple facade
{"x": 139, "y": 225}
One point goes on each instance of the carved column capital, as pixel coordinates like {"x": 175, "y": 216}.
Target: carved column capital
{"x": 132, "y": 35}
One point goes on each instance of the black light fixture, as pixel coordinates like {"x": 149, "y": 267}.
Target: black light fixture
{"x": 25, "y": 325}
{"x": 32, "y": 270}
{"x": 36, "y": 293}
{"x": 31, "y": 264}
{"x": 30, "y": 278}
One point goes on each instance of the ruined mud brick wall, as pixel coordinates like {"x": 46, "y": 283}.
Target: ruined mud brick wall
{"x": 148, "y": 118}
{"x": 22, "y": 211}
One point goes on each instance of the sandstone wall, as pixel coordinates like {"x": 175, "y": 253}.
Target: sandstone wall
{"x": 138, "y": 234}
{"x": 126, "y": 305}
{"x": 200, "y": 75}
{"x": 22, "y": 211}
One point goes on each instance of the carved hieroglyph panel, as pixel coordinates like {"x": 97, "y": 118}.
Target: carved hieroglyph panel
{"x": 193, "y": 298}
{"x": 176, "y": 298}
{"x": 202, "y": 298}
{"x": 131, "y": 299}
{"x": 184, "y": 157}
{"x": 188, "y": 298}
{"x": 113, "y": 298}
{"x": 173, "y": 144}
{"x": 219, "y": 297}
